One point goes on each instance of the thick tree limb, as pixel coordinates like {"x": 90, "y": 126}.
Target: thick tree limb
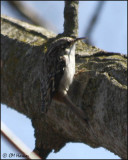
{"x": 99, "y": 89}
{"x": 71, "y": 18}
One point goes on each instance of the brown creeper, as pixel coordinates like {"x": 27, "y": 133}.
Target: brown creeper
{"x": 59, "y": 70}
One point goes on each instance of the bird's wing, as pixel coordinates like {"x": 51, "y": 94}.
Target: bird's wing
{"x": 52, "y": 73}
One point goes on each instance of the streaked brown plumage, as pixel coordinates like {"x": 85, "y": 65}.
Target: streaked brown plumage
{"x": 58, "y": 73}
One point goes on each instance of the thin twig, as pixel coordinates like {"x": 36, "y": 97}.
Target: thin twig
{"x": 30, "y": 14}
{"x": 94, "y": 21}
{"x": 15, "y": 141}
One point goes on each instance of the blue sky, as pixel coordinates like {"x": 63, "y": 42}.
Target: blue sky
{"x": 109, "y": 34}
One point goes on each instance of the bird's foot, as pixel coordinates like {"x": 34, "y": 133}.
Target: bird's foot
{"x": 82, "y": 70}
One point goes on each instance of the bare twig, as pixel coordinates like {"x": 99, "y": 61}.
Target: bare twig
{"x": 71, "y": 18}
{"x": 94, "y": 21}
{"x": 16, "y": 142}
{"x": 31, "y": 15}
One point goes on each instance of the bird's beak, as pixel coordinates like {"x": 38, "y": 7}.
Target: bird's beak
{"x": 77, "y": 39}
{"x": 74, "y": 41}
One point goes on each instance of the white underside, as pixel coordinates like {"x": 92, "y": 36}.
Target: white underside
{"x": 69, "y": 71}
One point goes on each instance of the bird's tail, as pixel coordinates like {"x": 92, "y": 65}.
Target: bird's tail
{"x": 79, "y": 112}
{"x": 66, "y": 100}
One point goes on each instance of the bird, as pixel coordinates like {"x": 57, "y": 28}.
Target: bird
{"x": 58, "y": 74}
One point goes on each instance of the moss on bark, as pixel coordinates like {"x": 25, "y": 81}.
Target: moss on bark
{"x": 99, "y": 88}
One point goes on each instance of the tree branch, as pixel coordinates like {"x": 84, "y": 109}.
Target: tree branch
{"x": 100, "y": 87}
{"x": 93, "y": 21}
{"x": 71, "y": 18}
{"x": 29, "y": 14}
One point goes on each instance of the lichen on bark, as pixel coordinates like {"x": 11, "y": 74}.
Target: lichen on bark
{"x": 71, "y": 18}
{"x": 99, "y": 89}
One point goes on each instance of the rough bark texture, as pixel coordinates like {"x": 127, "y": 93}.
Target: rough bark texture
{"x": 71, "y": 18}
{"x": 99, "y": 89}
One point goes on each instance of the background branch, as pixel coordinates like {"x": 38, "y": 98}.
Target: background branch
{"x": 29, "y": 14}
{"x": 93, "y": 21}
{"x": 100, "y": 87}
{"x": 71, "y": 18}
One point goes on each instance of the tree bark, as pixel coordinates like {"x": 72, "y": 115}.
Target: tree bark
{"x": 99, "y": 89}
{"x": 71, "y": 18}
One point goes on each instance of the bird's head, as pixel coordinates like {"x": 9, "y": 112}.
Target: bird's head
{"x": 64, "y": 45}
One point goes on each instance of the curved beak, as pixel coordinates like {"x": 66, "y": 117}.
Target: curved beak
{"x": 82, "y": 38}
{"x": 74, "y": 41}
